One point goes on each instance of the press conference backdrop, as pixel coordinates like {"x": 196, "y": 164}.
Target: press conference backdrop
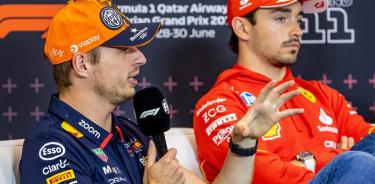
{"x": 186, "y": 57}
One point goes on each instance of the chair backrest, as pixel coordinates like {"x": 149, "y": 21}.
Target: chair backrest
{"x": 10, "y": 155}
{"x": 183, "y": 140}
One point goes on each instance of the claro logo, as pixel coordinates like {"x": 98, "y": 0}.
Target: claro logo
{"x": 26, "y": 17}
{"x": 89, "y": 128}
{"x": 51, "y": 151}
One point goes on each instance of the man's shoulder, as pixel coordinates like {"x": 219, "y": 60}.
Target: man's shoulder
{"x": 47, "y": 131}
{"x": 47, "y": 126}
{"x": 314, "y": 85}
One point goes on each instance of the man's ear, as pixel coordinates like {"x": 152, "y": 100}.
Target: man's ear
{"x": 241, "y": 27}
{"x": 80, "y": 64}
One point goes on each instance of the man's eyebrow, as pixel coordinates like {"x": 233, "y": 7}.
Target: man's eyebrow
{"x": 282, "y": 9}
{"x": 285, "y": 10}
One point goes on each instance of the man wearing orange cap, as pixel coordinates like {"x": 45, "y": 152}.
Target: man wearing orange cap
{"x": 266, "y": 35}
{"x": 93, "y": 49}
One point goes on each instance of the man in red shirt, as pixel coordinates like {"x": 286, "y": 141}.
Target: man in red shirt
{"x": 266, "y": 35}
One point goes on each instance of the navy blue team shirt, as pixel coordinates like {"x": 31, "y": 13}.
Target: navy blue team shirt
{"x": 65, "y": 147}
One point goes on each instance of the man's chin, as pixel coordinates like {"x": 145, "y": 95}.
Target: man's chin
{"x": 286, "y": 61}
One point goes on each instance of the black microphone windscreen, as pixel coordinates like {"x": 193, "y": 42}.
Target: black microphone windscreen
{"x": 152, "y": 111}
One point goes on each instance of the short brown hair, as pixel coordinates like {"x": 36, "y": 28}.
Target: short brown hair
{"x": 233, "y": 42}
{"x": 61, "y": 72}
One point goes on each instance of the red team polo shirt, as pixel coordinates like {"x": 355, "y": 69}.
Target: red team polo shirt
{"x": 327, "y": 117}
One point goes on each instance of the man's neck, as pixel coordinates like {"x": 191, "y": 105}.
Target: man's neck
{"x": 260, "y": 65}
{"x": 90, "y": 105}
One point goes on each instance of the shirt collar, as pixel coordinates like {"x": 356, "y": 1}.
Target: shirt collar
{"x": 85, "y": 126}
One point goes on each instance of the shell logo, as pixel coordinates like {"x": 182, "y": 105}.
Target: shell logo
{"x": 308, "y": 95}
{"x": 273, "y": 133}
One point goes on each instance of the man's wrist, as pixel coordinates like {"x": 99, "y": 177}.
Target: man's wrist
{"x": 245, "y": 149}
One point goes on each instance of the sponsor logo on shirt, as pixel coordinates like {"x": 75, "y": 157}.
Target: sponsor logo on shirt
{"x": 143, "y": 160}
{"x": 220, "y": 121}
{"x": 209, "y": 103}
{"x": 55, "y": 167}
{"x": 248, "y": 98}
{"x": 351, "y": 110}
{"x": 213, "y": 112}
{"x": 222, "y": 135}
{"x": 108, "y": 170}
{"x": 328, "y": 129}
{"x": 51, "y": 151}
{"x": 61, "y": 177}
{"x": 117, "y": 180}
{"x": 69, "y": 128}
{"x": 308, "y": 95}
{"x": 134, "y": 146}
{"x": 324, "y": 118}
{"x": 100, "y": 153}
{"x": 330, "y": 144}
{"x": 89, "y": 128}
{"x": 273, "y": 133}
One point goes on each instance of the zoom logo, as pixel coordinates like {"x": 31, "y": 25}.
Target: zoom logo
{"x": 51, "y": 151}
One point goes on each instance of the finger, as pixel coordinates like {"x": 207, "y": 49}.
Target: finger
{"x": 280, "y": 89}
{"x": 287, "y": 96}
{"x": 241, "y": 128}
{"x": 151, "y": 155}
{"x": 290, "y": 112}
{"x": 170, "y": 155}
{"x": 344, "y": 142}
{"x": 266, "y": 90}
{"x": 350, "y": 142}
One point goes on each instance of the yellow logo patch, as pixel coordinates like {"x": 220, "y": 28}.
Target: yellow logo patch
{"x": 69, "y": 128}
{"x": 307, "y": 94}
{"x": 61, "y": 177}
{"x": 273, "y": 133}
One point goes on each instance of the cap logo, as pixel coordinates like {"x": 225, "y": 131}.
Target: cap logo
{"x": 111, "y": 18}
{"x": 73, "y": 48}
{"x": 56, "y": 53}
{"x": 245, "y": 3}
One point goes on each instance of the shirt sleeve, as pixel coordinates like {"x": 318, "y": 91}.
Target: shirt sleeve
{"x": 350, "y": 123}
{"x": 47, "y": 159}
{"x": 213, "y": 119}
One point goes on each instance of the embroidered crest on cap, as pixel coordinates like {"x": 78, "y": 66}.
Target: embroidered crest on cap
{"x": 111, "y": 18}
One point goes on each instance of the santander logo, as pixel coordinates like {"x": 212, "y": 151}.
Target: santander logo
{"x": 324, "y": 118}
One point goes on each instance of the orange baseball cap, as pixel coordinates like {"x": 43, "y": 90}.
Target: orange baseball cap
{"x": 85, "y": 24}
{"x": 239, "y": 8}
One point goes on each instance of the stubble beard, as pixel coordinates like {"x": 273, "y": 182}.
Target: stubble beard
{"x": 110, "y": 93}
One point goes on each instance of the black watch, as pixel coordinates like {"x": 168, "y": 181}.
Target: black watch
{"x": 245, "y": 152}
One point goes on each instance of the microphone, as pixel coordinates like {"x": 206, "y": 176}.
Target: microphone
{"x": 152, "y": 113}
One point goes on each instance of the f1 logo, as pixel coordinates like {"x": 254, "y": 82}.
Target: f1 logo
{"x": 151, "y": 112}
{"x": 26, "y": 17}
